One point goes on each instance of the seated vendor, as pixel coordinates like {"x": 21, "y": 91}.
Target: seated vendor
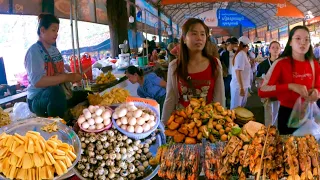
{"x": 151, "y": 86}
{"x": 45, "y": 68}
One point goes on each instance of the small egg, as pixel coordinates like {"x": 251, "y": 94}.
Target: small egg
{"x": 85, "y": 110}
{"x": 106, "y": 122}
{"x": 146, "y": 116}
{"x": 132, "y": 108}
{"x": 140, "y": 121}
{"x": 81, "y": 120}
{"x": 85, "y": 125}
{"x": 130, "y": 103}
{"x": 91, "y": 121}
{"x": 124, "y": 120}
{"x": 122, "y": 112}
{"x": 93, "y": 115}
{"x": 130, "y": 129}
{"x": 132, "y": 121}
{"x": 99, "y": 126}
{"x": 91, "y": 108}
{"x": 115, "y": 115}
{"x": 151, "y": 123}
{"x": 87, "y": 115}
{"x": 99, "y": 112}
{"x": 124, "y": 127}
{"x": 129, "y": 114}
{"x": 98, "y": 120}
{"x": 106, "y": 114}
{"x": 96, "y": 107}
{"x": 103, "y": 108}
{"x": 152, "y": 118}
{"x": 137, "y": 113}
{"x": 138, "y": 129}
{"x": 146, "y": 127}
{"x": 119, "y": 122}
{"x": 92, "y": 127}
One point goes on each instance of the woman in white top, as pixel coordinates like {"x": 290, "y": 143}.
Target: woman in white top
{"x": 241, "y": 70}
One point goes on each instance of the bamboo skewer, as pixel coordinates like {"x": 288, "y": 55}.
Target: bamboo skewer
{"x": 262, "y": 154}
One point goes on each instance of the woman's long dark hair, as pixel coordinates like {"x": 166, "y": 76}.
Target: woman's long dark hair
{"x": 45, "y": 20}
{"x": 288, "y": 49}
{"x": 208, "y": 50}
{"x": 240, "y": 48}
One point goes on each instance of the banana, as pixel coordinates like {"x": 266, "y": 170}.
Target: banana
{"x": 38, "y": 147}
{"x": 38, "y": 176}
{"x": 30, "y": 148}
{"x": 50, "y": 172}
{"x": 6, "y": 167}
{"x": 43, "y": 173}
{"x": 57, "y": 157}
{"x": 63, "y": 166}
{"x": 33, "y": 134}
{"x": 20, "y": 139}
{"x": 59, "y": 152}
{"x": 19, "y": 163}
{"x": 3, "y": 152}
{"x": 22, "y": 174}
{"x": 27, "y": 161}
{"x": 68, "y": 162}
{"x": 38, "y": 159}
{"x": 42, "y": 145}
{"x": 13, "y": 160}
{"x": 71, "y": 155}
{"x": 14, "y": 145}
{"x": 9, "y": 141}
{"x": 58, "y": 168}
{"x": 50, "y": 157}
{"x": 64, "y": 147}
{"x": 51, "y": 145}
{"x": 54, "y": 137}
{"x": 19, "y": 151}
{"x": 13, "y": 172}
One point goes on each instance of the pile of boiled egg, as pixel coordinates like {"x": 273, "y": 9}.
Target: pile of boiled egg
{"x": 95, "y": 118}
{"x": 134, "y": 119}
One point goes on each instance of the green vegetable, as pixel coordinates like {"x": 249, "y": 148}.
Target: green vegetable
{"x": 235, "y": 130}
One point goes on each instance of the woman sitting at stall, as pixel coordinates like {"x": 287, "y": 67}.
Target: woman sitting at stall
{"x": 151, "y": 86}
{"x": 295, "y": 74}
{"x": 196, "y": 73}
{"x": 45, "y": 68}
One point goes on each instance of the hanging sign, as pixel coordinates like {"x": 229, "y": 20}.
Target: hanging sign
{"x": 150, "y": 16}
{"x": 283, "y": 32}
{"x": 223, "y": 18}
{"x": 313, "y": 20}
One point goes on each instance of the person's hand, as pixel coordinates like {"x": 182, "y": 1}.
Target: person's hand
{"x": 242, "y": 92}
{"x": 300, "y": 89}
{"x": 313, "y": 95}
{"x": 74, "y": 77}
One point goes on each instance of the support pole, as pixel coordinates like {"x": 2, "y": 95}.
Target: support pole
{"x": 72, "y": 35}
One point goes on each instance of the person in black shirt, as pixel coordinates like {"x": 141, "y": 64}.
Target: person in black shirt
{"x": 226, "y": 62}
{"x": 271, "y": 105}
{"x": 222, "y": 47}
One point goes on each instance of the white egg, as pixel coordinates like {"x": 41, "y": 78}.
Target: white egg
{"x": 85, "y": 125}
{"x": 99, "y": 112}
{"x": 124, "y": 120}
{"x": 98, "y": 120}
{"x": 106, "y": 114}
{"x": 146, "y": 127}
{"x": 140, "y": 121}
{"x": 115, "y": 115}
{"x": 138, "y": 129}
{"x": 99, "y": 126}
{"x": 85, "y": 110}
{"x": 91, "y": 108}
{"x": 92, "y": 127}
{"x": 151, "y": 123}
{"x": 137, "y": 113}
{"x": 87, "y": 115}
{"x": 106, "y": 122}
{"x": 122, "y": 112}
{"x": 119, "y": 122}
{"x": 130, "y": 104}
{"x": 130, "y": 129}
{"x": 124, "y": 127}
{"x": 103, "y": 108}
{"x": 152, "y": 118}
{"x": 132, "y": 108}
{"x": 96, "y": 107}
{"x": 146, "y": 116}
{"x": 129, "y": 114}
{"x": 93, "y": 115}
{"x": 132, "y": 121}
{"x": 122, "y": 106}
{"x": 91, "y": 121}
{"x": 81, "y": 120}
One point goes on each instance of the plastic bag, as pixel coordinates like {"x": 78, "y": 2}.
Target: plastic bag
{"x": 309, "y": 127}
{"x": 21, "y": 111}
{"x": 96, "y": 72}
{"x": 299, "y": 113}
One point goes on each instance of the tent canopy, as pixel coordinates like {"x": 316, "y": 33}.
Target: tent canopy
{"x": 261, "y": 12}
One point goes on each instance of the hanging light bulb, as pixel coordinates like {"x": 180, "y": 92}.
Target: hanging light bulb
{"x": 131, "y": 19}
